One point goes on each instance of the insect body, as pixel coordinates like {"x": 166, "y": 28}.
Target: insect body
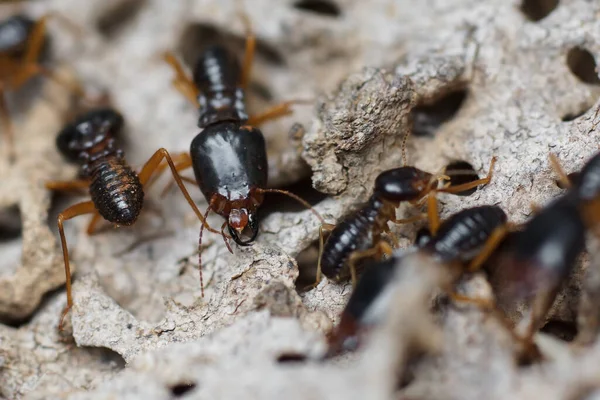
{"x": 229, "y": 155}
{"x": 466, "y": 238}
{"x": 116, "y": 191}
{"x": 359, "y": 235}
{"x": 21, "y": 43}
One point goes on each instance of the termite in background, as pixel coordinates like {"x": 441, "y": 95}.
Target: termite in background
{"x": 22, "y": 42}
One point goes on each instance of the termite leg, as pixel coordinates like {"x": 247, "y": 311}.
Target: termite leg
{"x": 93, "y": 225}
{"x": 484, "y": 304}
{"x": 379, "y": 249}
{"x": 278, "y": 111}
{"x": 410, "y": 220}
{"x": 563, "y": 178}
{"x": 65, "y": 186}
{"x": 36, "y": 41}
{"x": 182, "y": 158}
{"x": 249, "y": 52}
{"x": 86, "y": 207}
{"x": 388, "y": 231}
{"x": 182, "y": 82}
{"x": 151, "y": 166}
{"x": 471, "y": 185}
{"x": 490, "y": 246}
{"x": 432, "y": 213}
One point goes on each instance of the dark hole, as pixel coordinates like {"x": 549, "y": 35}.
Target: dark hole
{"x": 427, "y": 118}
{"x": 561, "y": 329}
{"x": 10, "y": 224}
{"x": 275, "y": 202}
{"x": 291, "y": 358}
{"x": 536, "y": 10}
{"x": 321, "y": 7}
{"x": 197, "y": 37}
{"x": 583, "y": 65}
{"x": 115, "y": 18}
{"x": 182, "y": 388}
{"x": 307, "y": 267}
{"x": 461, "y": 172}
{"x": 570, "y": 117}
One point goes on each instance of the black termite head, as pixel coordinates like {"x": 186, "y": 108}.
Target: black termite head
{"x": 87, "y": 132}
{"x": 14, "y": 34}
{"x": 403, "y": 184}
{"x": 230, "y": 165}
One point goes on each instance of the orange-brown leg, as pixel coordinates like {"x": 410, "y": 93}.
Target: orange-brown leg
{"x": 65, "y": 186}
{"x": 93, "y": 225}
{"x": 249, "y": 53}
{"x": 381, "y": 248}
{"x": 151, "y": 166}
{"x": 181, "y": 160}
{"x": 275, "y": 112}
{"x": 7, "y": 126}
{"x": 490, "y": 245}
{"x": 36, "y": 41}
{"x": 432, "y": 213}
{"x": 86, "y": 207}
{"x": 182, "y": 82}
{"x": 471, "y": 185}
{"x": 410, "y": 220}
{"x": 479, "y": 302}
{"x": 563, "y": 178}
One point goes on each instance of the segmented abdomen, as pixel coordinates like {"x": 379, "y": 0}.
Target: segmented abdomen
{"x": 116, "y": 191}
{"x": 352, "y": 234}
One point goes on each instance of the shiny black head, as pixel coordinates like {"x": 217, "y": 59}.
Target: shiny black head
{"x": 14, "y": 34}
{"x": 403, "y": 184}
{"x": 587, "y": 183}
{"x": 87, "y": 131}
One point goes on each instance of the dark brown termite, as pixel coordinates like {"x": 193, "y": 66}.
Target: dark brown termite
{"x": 116, "y": 191}
{"x": 461, "y": 244}
{"x": 359, "y": 235}
{"x": 228, "y": 156}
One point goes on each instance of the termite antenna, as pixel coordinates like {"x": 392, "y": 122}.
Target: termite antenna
{"x": 200, "y": 249}
{"x": 297, "y": 198}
